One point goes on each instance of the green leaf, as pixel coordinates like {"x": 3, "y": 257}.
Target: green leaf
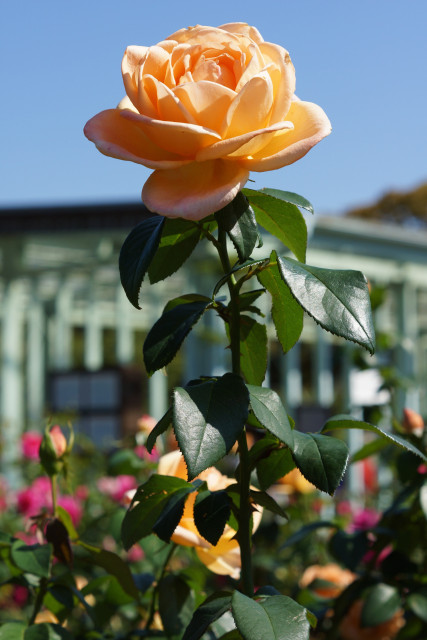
{"x": 35, "y": 559}
{"x": 114, "y": 565}
{"x": 162, "y": 425}
{"x": 178, "y": 241}
{"x": 46, "y": 631}
{"x": 321, "y": 459}
{"x": 250, "y": 265}
{"x": 282, "y": 219}
{"x": 212, "y": 608}
{"x": 124, "y": 462}
{"x": 187, "y": 298}
{"x": 423, "y": 499}
{"x": 287, "y": 314}
{"x": 247, "y": 298}
{"x": 306, "y": 530}
{"x": 147, "y": 505}
{"x": 265, "y": 500}
{"x": 269, "y": 410}
{"x": 136, "y": 254}
{"x": 275, "y": 466}
{"x": 238, "y": 220}
{"x": 381, "y": 603}
{"x": 211, "y": 512}
{"x": 417, "y": 602}
{"x": 370, "y": 449}
{"x": 253, "y": 350}
{"x": 168, "y": 333}
{"x": 66, "y": 520}
{"x": 208, "y": 418}
{"x": 176, "y": 604}
{"x": 12, "y": 631}
{"x": 349, "y": 548}
{"x": 275, "y": 618}
{"x": 172, "y": 513}
{"x": 338, "y": 300}
{"x": 343, "y": 421}
{"x": 289, "y": 196}
{"x": 234, "y": 634}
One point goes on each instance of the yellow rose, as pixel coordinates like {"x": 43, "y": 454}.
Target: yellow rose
{"x": 224, "y": 557}
{"x": 203, "y": 108}
{"x": 293, "y": 482}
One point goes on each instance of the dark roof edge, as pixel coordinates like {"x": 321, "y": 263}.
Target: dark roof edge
{"x": 42, "y": 219}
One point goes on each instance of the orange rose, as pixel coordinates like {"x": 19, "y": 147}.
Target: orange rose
{"x": 350, "y": 628}
{"x": 413, "y": 422}
{"x": 203, "y": 108}
{"x": 224, "y": 557}
{"x": 339, "y": 579}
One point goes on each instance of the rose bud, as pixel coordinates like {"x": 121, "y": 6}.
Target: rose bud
{"x": 413, "y": 422}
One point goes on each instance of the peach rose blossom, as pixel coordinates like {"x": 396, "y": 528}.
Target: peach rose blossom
{"x": 224, "y": 557}
{"x": 292, "y": 482}
{"x": 203, "y": 108}
{"x": 333, "y": 573}
{"x": 413, "y": 422}
{"x": 350, "y": 627}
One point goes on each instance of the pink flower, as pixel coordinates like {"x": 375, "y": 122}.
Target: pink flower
{"x": 33, "y": 499}
{"x": 73, "y": 507}
{"x": 142, "y": 452}
{"x": 4, "y": 493}
{"x": 116, "y": 486}
{"x": 135, "y": 554}
{"x": 81, "y": 493}
{"x": 58, "y": 440}
{"x": 19, "y": 595}
{"x": 344, "y": 508}
{"x": 364, "y": 519}
{"x": 370, "y": 555}
{"x": 30, "y": 444}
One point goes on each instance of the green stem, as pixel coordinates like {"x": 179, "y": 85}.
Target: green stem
{"x": 156, "y": 588}
{"x": 245, "y": 528}
{"x": 54, "y": 486}
{"x": 42, "y": 590}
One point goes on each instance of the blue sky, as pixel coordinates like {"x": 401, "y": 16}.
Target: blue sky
{"x": 364, "y": 62}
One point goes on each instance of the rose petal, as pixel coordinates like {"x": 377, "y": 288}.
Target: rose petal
{"x": 188, "y": 538}
{"x": 208, "y": 102}
{"x": 155, "y": 62}
{"x": 172, "y": 464}
{"x": 244, "y": 29}
{"x": 253, "y": 67}
{"x": 168, "y": 106}
{"x": 176, "y": 137}
{"x": 131, "y": 62}
{"x": 282, "y": 74}
{"x": 251, "y": 108}
{"x": 311, "y": 125}
{"x": 223, "y": 559}
{"x": 122, "y": 138}
{"x": 202, "y": 34}
{"x": 238, "y": 146}
{"x": 194, "y": 191}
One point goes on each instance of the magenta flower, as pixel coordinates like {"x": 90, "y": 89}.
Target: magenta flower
{"x": 30, "y": 444}
{"x": 116, "y": 486}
